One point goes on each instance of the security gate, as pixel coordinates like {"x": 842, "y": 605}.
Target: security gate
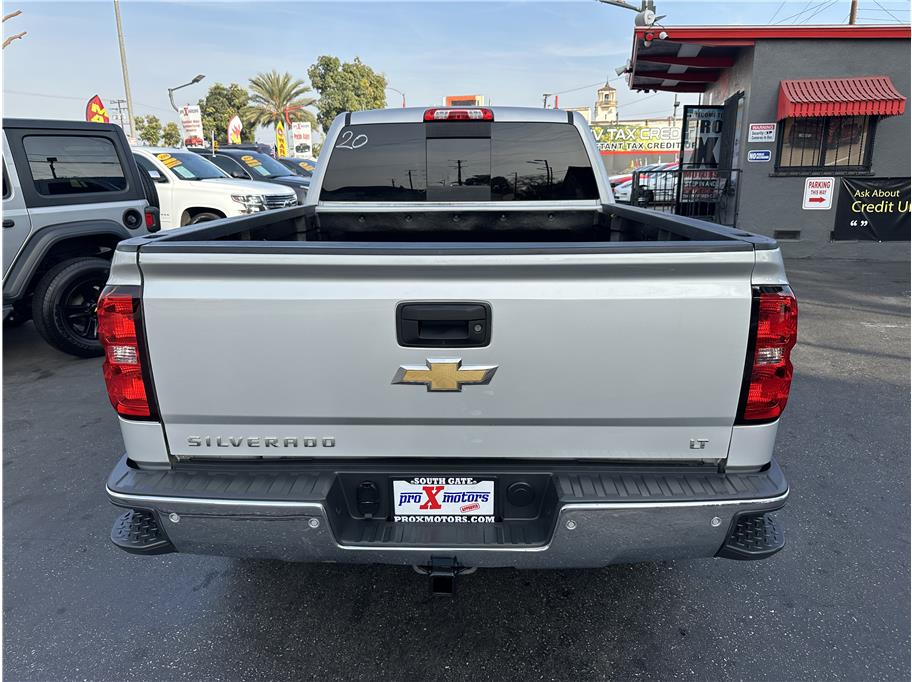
{"x": 705, "y": 193}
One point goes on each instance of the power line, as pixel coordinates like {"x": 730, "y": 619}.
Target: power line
{"x": 776, "y": 13}
{"x": 888, "y": 11}
{"x": 807, "y": 8}
{"x": 823, "y": 9}
{"x": 78, "y": 99}
{"x": 584, "y": 87}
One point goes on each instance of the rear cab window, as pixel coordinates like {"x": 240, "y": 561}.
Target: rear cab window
{"x": 65, "y": 165}
{"x": 459, "y": 161}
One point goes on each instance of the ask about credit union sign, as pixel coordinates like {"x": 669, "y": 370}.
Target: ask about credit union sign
{"x": 874, "y": 209}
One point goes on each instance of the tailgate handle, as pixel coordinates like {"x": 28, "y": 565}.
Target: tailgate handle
{"x": 443, "y": 325}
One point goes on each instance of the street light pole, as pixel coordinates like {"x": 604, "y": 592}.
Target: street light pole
{"x": 196, "y": 79}
{"x": 123, "y": 66}
{"x": 400, "y": 92}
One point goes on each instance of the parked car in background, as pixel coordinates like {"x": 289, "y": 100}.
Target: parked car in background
{"x": 658, "y": 185}
{"x": 192, "y": 189}
{"x": 71, "y": 192}
{"x": 247, "y": 164}
{"x": 302, "y": 167}
{"x": 621, "y": 178}
{"x": 624, "y": 189}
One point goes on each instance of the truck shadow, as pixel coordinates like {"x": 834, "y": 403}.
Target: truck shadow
{"x": 502, "y": 623}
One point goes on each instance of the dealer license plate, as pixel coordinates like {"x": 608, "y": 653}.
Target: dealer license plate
{"x": 443, "y": 499}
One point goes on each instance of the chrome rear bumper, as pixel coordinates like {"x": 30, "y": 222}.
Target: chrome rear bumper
{"x": 579, "y": 534}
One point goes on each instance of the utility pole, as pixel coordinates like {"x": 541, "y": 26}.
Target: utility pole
{"x": 117, "y": 112}
{"x": 853, "y": 12}
{"x": 123, "y": 66}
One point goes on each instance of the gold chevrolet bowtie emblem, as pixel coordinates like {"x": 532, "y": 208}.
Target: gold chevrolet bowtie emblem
{"x": 444, "y": 375}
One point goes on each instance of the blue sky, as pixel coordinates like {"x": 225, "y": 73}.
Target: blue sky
{"x": 511, "y": 51}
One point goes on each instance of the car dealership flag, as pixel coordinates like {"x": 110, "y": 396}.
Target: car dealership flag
{"x": 96, "y": 112}
{"x": 281, "y": 141}
{"x": 234, "y": 130}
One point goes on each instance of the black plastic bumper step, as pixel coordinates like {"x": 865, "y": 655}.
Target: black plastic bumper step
{"x": 753, "y": 536}
{"x": 137, "y": 531}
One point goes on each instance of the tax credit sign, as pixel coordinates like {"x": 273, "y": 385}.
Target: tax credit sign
{"x": 638, "y": 138}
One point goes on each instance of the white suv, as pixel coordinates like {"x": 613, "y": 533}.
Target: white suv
{"x": 192, "y": 189}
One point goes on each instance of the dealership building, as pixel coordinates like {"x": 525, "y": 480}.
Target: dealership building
{"x": 806, "y": 127}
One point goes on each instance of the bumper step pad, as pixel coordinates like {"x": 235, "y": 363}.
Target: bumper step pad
{"x": 137, "y": 531}
{"x": 753, "y": 536}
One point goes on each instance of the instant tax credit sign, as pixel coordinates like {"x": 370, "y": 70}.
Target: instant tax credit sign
{"x": 818, "y": 194}
{"x": 874, "y": 209}
{"x": 623, "y": 138}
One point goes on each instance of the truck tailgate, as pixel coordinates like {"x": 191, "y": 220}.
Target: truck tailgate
{"x": 622, "y": 356}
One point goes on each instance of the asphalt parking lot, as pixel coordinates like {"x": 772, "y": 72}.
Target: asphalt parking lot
{"x": 833, "y": 605}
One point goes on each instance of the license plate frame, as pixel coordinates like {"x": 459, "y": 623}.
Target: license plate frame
{"x": 443, "y": 499}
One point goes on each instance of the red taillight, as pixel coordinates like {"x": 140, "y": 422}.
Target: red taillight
{"x": 152, "y": 224}
{"x": 771, "y": 364}
{"x": 123, "y": 372}
{"x": 475, "y": 114}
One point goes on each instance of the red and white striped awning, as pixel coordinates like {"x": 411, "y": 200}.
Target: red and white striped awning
{"x": 867, "y": 96}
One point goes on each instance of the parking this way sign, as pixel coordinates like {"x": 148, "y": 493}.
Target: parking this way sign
{"x": 818, "y": 194}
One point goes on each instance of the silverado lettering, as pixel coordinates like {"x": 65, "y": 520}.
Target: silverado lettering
{"x": 257, "y": 441}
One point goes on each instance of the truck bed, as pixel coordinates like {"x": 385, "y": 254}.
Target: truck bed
{"x": 605, "y": 226}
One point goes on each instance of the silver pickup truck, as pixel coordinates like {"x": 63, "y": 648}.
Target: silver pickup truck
{"x": 459, "y": 353}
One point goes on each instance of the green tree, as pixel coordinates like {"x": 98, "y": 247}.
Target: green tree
{"x": 219, "y": 106}
{"x": 171, "y": 135}
{"x": 273, "y": 95}
{"x": 149, "y": 129}
{"x": 349, "y": 86}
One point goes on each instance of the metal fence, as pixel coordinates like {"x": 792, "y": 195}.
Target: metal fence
{"x": 705, "y": 193}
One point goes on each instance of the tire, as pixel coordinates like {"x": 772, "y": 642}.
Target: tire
{"x": 203, "y": 217}
{"x": 63, "y": 306}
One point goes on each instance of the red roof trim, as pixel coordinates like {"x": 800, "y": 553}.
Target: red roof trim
{"x": 868, "y": 96}
{"x": 721, "y": 35}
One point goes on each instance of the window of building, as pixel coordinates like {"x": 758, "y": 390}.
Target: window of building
{"x": 62, "y": 164}
{"x": 827, "y": 143}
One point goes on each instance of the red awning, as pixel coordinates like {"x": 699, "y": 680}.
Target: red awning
{"x": 868, "y": 96}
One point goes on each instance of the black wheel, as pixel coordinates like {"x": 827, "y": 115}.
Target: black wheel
{"x": 203, "y": 217}
{"x": 64, "y": 302}
{"x": 647, "y": 198}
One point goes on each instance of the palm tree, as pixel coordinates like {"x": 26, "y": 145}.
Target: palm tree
{"x": 274, "y": 95}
